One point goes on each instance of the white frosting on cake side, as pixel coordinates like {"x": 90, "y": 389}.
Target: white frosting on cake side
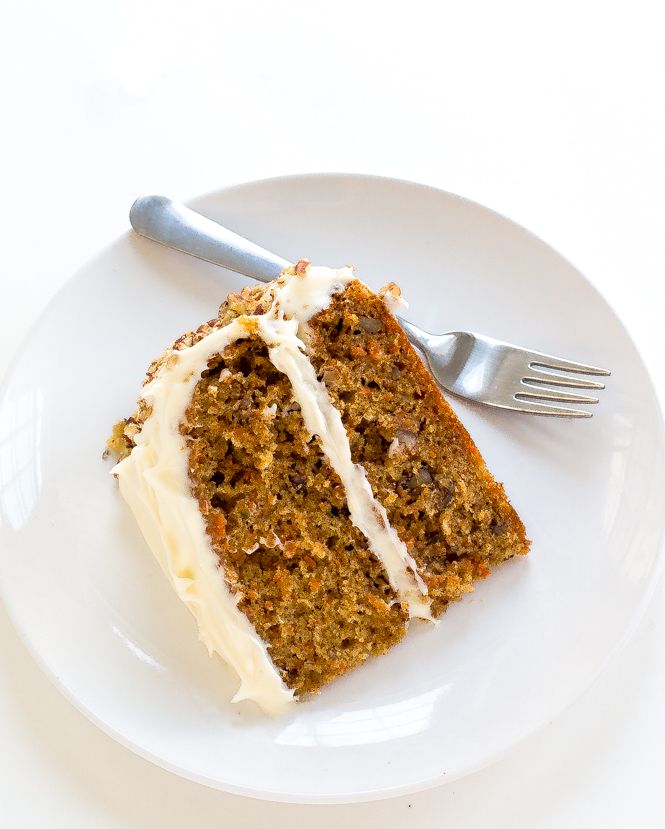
{"x": 154, "y": 480}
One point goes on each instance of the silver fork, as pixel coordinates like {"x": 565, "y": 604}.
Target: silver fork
{"x": 470, "y": 365}
{"x": 507, "y": 376}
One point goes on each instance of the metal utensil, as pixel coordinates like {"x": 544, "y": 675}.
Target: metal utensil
{"x": 470, "y": 365}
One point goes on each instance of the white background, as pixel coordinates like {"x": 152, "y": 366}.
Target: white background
{"x": 551, "y": 113}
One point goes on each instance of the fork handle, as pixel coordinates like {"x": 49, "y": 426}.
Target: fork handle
{"x": 176, "y": 226}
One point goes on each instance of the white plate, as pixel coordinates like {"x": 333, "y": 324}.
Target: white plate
{"x": 97, "y": 613}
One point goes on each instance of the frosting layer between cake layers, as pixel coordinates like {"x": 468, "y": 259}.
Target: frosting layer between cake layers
{"x": 154, "y": 479}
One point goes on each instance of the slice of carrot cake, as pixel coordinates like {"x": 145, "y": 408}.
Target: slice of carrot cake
{"x": 304, "y": 485}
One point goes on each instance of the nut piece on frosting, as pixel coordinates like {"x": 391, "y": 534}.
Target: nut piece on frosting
{"x": 301, "y": 267}
{"x": 391, "y": 295}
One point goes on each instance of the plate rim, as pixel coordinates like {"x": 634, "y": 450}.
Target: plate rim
{"x": 376, "y": 793}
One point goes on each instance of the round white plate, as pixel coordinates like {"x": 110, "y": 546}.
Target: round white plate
{"x": 95, "y": 610}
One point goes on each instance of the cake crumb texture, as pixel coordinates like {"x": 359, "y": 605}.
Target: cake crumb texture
{"x": 277, "y": 518}
{"x": 423, "y": 467}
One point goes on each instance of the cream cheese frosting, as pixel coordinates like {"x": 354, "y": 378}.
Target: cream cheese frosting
{"x": 154, "y": 480}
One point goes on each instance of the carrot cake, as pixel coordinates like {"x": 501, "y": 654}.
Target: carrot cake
{"x": 304, "y": 485}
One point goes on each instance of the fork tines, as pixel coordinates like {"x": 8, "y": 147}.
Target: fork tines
{"x": 544, "y": 367}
